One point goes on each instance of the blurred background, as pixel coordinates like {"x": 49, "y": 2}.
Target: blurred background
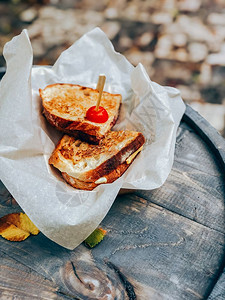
{"x": 181, "y": 43}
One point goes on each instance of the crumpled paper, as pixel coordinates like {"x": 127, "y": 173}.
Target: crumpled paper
{"x": 66, "y": 215}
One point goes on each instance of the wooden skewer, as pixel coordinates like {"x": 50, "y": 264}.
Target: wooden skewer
{"x": 100, "y": 87}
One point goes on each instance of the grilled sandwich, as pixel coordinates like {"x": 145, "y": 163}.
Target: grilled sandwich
{"x": 85, "y": 166}
{"x": 65, "y": 107}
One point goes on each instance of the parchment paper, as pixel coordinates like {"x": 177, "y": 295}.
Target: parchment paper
{"x": 66, "y": 215}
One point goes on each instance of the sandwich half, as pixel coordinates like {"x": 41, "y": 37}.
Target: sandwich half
{"x": 85, "y": 166}
{"x": 65, "y": 107}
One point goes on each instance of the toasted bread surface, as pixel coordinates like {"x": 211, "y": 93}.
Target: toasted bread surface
{"x": 87, "y": 162}
{"x": 65, "y": 107}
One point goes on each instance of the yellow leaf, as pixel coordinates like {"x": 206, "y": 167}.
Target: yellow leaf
{"x": 14, "y": 234}
{"x": 17, "y": 227}
{"x": 27, "y": 225}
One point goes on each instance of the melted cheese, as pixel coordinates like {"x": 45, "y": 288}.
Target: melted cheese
{"x": 101, "y": 180}
{"x": 130, "y": 158}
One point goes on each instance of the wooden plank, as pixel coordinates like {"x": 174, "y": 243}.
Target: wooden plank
{"x": 175, "y": 248}
{"x": 218, "y": 292}
{"x": 2, "y": 72}
{"x": 217, "y": 144}
{"x": 149, "y": 253}
{"x": 207, "y": 132}
{"x": 20, "y": 282}
{"x": 195, "y": 187}
{"x": 7, "y": 202}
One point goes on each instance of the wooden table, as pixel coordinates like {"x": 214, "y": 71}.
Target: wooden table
{"x": 167, "y": 243}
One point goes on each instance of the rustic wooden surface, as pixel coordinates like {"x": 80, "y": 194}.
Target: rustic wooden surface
{"x": 167, "y": 243}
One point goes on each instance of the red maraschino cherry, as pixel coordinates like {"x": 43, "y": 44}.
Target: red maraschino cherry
{"x": 97, "y": 116}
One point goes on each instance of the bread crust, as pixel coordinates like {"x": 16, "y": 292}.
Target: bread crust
{"x": 72, "y": 85}
{"x": 80, "y": 129}
{"x": 82, "y": 185}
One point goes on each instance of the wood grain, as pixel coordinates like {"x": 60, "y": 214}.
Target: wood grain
{"x": 20, "y": 282}
{"x": 149, "y": 253}
{"x": 208, "y": 134}
{"x": 195, "y": 187}
{"x": 218, "y": 293}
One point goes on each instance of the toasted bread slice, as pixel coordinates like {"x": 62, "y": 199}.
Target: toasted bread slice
{"x": 85, "y": 166}
{"x": 65, "y": 107}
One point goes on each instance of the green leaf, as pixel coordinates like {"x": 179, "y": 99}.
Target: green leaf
{"x": 95, "y": 237}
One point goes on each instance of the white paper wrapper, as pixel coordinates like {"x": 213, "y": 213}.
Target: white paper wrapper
{"x": 66, "y": 215}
